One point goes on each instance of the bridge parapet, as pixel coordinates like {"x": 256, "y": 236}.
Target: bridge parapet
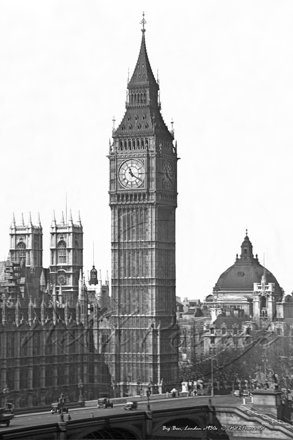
{"x": 247, "y": 422}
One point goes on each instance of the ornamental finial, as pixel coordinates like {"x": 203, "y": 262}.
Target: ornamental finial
{"x": 143, "y": 22}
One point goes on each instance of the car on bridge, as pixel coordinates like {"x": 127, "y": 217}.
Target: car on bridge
{"x": 58, "y": 407}
{"x": 5, "y": 417}
{"x": 9, "y": 408}
{"x": 105, "y": 403}
{"x": 129, "y": 406}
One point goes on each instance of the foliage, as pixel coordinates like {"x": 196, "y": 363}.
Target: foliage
{"x": 242, "y": 363}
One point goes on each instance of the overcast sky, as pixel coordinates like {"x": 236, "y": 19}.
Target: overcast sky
{"x": 225, "y": 70}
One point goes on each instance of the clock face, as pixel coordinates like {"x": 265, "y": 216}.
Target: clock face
{"x": 168, "y": 175}
{"x": 132, "y": 174}
{"x": 61, "y": 279}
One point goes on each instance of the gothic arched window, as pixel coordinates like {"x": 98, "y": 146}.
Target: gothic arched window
{"x": 61, "y": 252}
{"x": 21, "y": 248}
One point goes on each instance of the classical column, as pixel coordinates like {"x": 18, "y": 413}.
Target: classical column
{"x": 270, "y": 300}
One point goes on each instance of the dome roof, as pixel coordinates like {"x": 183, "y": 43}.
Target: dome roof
{"x": 245, "y": 271}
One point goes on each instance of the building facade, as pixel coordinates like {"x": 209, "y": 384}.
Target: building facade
{"x": 143, "y": 201}
{"x": 246, "y": 289}
{"x": 249, "y": 310}
{"x": 49, "y": 337}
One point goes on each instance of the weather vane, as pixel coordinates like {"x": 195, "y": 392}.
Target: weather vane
{"x": 143, "y": 22}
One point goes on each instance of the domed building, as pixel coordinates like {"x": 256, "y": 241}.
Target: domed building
{"x": 246, "y": 289}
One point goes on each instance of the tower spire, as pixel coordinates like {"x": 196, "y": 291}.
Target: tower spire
{"x": 143, "y": 74}
{"x": 143, "y": 98}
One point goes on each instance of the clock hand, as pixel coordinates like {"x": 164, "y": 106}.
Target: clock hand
{"x": 130, "y": 172}
{"x": 133, "y": 175}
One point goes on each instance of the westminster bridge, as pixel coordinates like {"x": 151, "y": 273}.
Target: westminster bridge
{"x": 225, "y": 417}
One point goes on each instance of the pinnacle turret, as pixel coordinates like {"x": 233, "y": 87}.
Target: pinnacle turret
{"x": 13, "y": 224}
{"x": 54, "y": 219}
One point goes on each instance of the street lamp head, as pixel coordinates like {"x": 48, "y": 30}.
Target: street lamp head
{"x": 6, "y": 389}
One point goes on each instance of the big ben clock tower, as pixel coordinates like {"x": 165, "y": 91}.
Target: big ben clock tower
{"x": 143, "y": 199}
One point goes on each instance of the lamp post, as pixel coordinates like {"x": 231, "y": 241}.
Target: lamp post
{"x": 139, "y": 387}
{"x": 128, "y": 384}
{"x": 212, "y": 373}
{"x": 80, "y": 386}
{"x": 5, "y": 392}
{"x": 148, "y": 393}
{"x": 113, "y": 385}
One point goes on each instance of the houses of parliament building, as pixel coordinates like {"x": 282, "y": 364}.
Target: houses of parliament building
{"x": 49, "y": 318}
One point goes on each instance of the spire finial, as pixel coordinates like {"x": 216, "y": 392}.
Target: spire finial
{"x": 113, "y": 120}
{"x": 143, "y": 22}
{"x": 246, "y": 232}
